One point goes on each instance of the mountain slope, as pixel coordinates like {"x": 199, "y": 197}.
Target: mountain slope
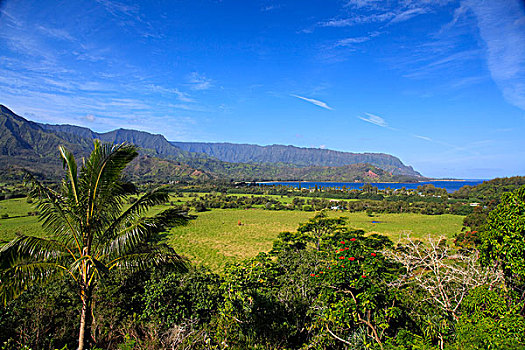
{"x": 34, "y": 146}
{"x": 302, "y": 157}
{"x": 155, "y": 144}
{"x": 28, "y": 145}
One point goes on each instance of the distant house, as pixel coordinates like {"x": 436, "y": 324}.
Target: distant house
{"x": 474, "y": 204}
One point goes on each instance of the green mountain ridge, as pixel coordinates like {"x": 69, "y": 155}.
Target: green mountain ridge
{"x": 298, "y": 156}
{"x": 34, "y": 146}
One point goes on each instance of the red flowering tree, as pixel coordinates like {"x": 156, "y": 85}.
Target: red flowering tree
{"x": 355, "y": 304}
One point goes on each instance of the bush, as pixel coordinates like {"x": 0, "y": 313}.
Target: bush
{"x": 489, "y": 320}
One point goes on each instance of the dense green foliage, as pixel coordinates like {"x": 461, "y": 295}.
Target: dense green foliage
{"x": 345, "y": 291}
{"x": 490, "y": 190}
{"x": 503, "y": 240}
{"x": 490, "y": 320}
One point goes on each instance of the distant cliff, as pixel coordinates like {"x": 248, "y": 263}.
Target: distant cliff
{"x": 302, "y": 157}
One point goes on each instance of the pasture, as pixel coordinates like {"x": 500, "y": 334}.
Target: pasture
{"x": 228, "y": 235}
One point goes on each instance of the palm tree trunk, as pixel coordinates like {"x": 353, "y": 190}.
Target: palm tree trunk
{"x": 84, "y": 318}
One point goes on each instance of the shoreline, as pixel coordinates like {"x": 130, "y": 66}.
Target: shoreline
{"x": 379, "y": 182}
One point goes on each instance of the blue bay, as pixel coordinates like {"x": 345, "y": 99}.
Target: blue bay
{"x": 449, "y": 185}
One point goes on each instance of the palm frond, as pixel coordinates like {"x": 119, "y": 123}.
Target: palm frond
{"x": 23, "y": 274}
{"x": 153, "y": 197}
{"x": 35, "y": 248}
{"x": 102, "y": 189}
{"x": 158, "y": 255}
{"x": 70, "y": 165}
{"x": 142, "y": 230}
{"x": 57, "y": 216}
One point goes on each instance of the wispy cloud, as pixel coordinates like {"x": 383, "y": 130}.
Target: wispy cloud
{"x": 90, "y": 118}
{"x": 502, "y": 28}
{"x": 379, "y": 121}
{"x": 199, "y": 81}
{"x": 270, "y": 8}
{"x": 349, "y": 42}
{"x": 130, "y": 17}
{"x": 181, "y": 96}
{"x": 363, "y": 3}
{"x": 374, "y": 119}
{"x": 434, "y": 64}
{"x": 408, "y": 14}
{"x": 358, "y": 19}
{"x": 56, "y": 33}
{"x": 423, "y": 137}
{"x": 377, "y": 11}
{"x": 315, "y": 102}
{"x": 117, "y": 8}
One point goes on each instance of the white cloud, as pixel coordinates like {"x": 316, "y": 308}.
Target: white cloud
{"x": 90, "y": 117}
{"x": 199, "y": 81}
{"x": 315, "y": 102}
{"x": 181, "y": 96}
{"x": 423, "y": 137}
{"x": 117, "y": 8}
{"x": 356, "y": 40}
{"x": 408, "y": 14}
{"x": 55, "y": 33}
{"x": 502, "y": 27}
{"x": 438, "y": 65}
{"x": 361, "y": 19}
{"x": 362, "y": 3}
{"x": 375, "y": 119}
{"x": 270, "y": 8}
{"x": 378, "y": 11}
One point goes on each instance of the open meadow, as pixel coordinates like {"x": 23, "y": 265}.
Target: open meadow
{"x": 216, "y": 237}
{"x": 228, "y": 235}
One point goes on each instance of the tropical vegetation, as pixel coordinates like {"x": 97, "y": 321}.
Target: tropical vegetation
{"x": 89, "y": 231}
{"x": 103, "y": 267}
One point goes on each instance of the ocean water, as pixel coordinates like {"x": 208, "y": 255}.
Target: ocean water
{"x": 449, "y": 185}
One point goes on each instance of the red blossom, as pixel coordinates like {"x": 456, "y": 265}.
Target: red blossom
{"x": 373, "y": 254}
{"x": 341, "y": 249}
{"x": 351, "y": 258}
{"x": 312, "y": 274}
{"x": 341, "y": 257}
{"x": 363, "y": 276}
{"x": 352, "y": 239}
{"x": 346, "y": 248}
{"x": 342, "y": 242}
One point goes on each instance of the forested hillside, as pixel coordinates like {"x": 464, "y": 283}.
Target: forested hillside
{"x": 230, "y": 152}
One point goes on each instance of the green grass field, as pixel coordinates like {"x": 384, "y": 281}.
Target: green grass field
{"x": 18, "y": 221}
{"x": 216, "y": 237}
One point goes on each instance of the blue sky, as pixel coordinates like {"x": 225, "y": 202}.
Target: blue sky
{"x": 439, "y": 84}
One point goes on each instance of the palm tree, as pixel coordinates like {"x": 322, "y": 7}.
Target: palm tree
{"x": 90, "y": 232}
